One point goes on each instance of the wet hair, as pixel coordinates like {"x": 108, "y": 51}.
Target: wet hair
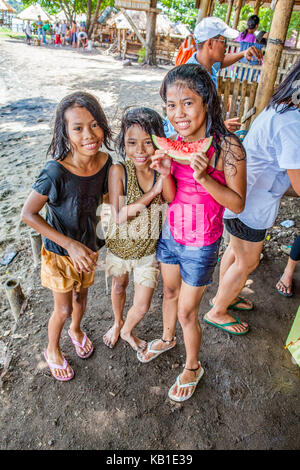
{"x": 60, "y": 145}
{"x": 260, "y": 38}
{"x": 285, "y": 91}
{"x": 252, "y": 22}
{"x": 148, "y": 119}
{"x": 196, "y": 78}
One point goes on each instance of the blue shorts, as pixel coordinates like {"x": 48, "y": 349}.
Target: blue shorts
{"x": 197, "y": 263}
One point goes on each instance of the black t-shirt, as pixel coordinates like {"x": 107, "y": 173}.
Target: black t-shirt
{"x": 72, "y": 203}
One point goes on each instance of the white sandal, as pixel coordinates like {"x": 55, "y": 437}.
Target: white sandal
{"x": 190, "y": 384}
{"x": 154, "y": 351}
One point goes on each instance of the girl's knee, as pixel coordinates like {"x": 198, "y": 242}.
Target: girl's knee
{"x": 119, "y": 286}
{"x": 185, "y": 316}
{"x": 64, "y": 311}
{"x": 142, "y": 308}
{"x": 171, "y": 293}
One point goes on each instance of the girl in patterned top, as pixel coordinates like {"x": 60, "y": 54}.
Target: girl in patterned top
{"x": 136, "y": 194}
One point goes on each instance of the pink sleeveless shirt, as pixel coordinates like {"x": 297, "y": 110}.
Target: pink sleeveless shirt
{"x": 195, "y": 217}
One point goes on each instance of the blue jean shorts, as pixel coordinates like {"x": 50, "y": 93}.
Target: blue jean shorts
{"x": 197, "y": 263}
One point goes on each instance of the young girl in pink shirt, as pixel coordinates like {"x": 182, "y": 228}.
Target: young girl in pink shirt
{"x": 189, "y": 244}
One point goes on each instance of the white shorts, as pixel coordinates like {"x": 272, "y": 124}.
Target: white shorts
{"x": 145, "y": 270}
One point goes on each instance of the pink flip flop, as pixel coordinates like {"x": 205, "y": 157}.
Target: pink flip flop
{"x": 53, "y": 366}
{"x": 81, "y": 345}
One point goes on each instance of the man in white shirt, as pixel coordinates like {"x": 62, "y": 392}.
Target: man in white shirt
{"x": 273, "y": 164}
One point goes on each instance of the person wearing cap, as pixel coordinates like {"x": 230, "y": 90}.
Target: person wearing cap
{"x": 211, "y": 36}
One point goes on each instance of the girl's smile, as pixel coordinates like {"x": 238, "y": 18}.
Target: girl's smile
{"x": 85, "y": 134}
{"x": 186, "y": 112}
{"x": 138, "y": 146}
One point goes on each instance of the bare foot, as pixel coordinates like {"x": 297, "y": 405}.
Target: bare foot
{"x": 158, "y": 345}
{"x": 111, "y": 337}
{"x": 136, "y": 343}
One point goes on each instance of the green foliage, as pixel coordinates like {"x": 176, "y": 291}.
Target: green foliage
{"x": 180, "y": 10}
{"x": 76, "y": 6}
{"x": 141, "y": 55}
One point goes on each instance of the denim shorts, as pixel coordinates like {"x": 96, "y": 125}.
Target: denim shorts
{"x": 197, "y": 263}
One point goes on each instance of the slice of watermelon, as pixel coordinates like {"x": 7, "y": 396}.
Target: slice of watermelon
{"x": 179, "y": 150}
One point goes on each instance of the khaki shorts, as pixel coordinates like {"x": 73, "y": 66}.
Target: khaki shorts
{"x": 145, "y": 270}
{"x": 59, "y": 275}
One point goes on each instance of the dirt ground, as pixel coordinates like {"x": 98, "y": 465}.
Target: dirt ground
{"x": 249, "y": 395}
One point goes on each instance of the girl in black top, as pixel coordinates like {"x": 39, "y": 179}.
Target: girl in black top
{"x": 71, "y": 186}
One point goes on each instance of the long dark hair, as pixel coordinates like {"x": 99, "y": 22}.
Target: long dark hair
{"x": 148, "y": 119}
{"x": 196, "y": 78}
{"x": 253, "y": 21}
{"x": 285, "y": 91}
{"x": 60, "y": 144}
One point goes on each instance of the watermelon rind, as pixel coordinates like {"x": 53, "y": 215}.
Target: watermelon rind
{"x": 158, "y": 142}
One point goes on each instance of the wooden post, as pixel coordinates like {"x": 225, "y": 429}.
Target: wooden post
{"x": 239, "y": 4}
{"x": 15, "y": 296}
{"x": 203, "y": 9}
{"x": 229, "y": 10}
{"x": 151, "y": 34}
{"x": 277, "y": 36}
{"x": 211, "y": 8}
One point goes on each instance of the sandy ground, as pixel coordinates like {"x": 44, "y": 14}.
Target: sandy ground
{"x": 249, "y": 395}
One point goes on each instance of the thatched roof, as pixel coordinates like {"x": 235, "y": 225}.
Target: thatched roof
{"x": 4, "y": 6}
{"x": 32, "y": 12}
{"x": 163, "y": 24}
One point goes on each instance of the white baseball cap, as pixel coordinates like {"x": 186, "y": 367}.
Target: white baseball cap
{"x": 210, "y": 27}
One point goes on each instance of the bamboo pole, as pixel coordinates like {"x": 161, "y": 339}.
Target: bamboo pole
{"x": 239, "y": 4}
{"x": 15, "y": 296}
{"x": 229, "y": 10}
{"x": 281, "y": 19}
{"x": 203, "y": 9}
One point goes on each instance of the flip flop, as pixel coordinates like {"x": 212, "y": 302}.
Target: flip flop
{"x": 81, "y": 345}
{"x": 223, "y": 326}
{"x": 285, "y": 294}
{"x": 190, "y": 384}
{"x": 233, "y": 306}
{"x": 53, "y": 366}
{"x": 153, "y": 351}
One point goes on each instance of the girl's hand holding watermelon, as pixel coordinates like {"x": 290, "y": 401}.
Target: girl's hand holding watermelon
{"x": 199, "y": 163}
{"x": 161, "y": 162}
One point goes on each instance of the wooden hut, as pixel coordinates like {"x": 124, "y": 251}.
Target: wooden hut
{"x": 127, "y": 30}
{"x": 6, "y": 12}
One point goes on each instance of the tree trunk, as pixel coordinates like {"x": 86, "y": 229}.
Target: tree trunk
{"x": 258, "y": 4}
{"x": 94, "y": 19}
{"x": 69, "y": 12}
{"x": 88, "y": 14}
{"x": 277, "y": 36}
{"x": 151, "y": 35}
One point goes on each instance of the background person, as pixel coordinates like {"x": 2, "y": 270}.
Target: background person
{"x": 248, "y": 34}
{"x": 273, "y": 164}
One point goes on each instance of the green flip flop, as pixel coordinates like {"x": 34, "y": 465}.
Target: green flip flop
{"x": 234, "y": 305}
{"x": 223, "y": 326}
